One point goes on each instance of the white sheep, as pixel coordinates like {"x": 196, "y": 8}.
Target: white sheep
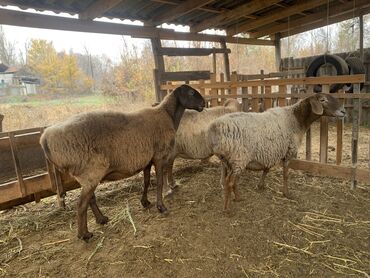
{"x": 191, "y": 137}
{"x": 259, "y": 141}
{"x": 99, "y": 146}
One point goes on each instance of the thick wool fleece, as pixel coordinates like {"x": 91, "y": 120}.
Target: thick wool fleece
{"x": 118, "y": 145}
{"x": 257, "y": 141}
{"x": 191, "y": 136}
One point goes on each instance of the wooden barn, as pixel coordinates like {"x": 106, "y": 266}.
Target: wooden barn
{"x": 248, "y": 22}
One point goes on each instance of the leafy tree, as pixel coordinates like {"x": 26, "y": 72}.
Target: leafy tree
{"x": 58, "y": 72}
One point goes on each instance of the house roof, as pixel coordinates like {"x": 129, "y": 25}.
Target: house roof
{"x": 254, "y": 18}
{"x": 3, "y": 67}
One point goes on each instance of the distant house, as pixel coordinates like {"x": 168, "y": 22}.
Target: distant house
{"x": 17, "y": 82}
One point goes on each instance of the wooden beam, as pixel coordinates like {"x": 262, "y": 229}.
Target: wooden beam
{"x": 98, "y": 8}
{"x": 183, "y": 8}
{"x": 274, "y": 16}
{"x": 177, "y": 51}
{"x": 329, "y": 170}
{"x": 176, "y": 2}
{"x": 185, "y": 75}
{"x": 324, "y": 22}
{"x": 319, "y": 16}
{"x": 246, "y": 9}
{"x": 342, "y": 79}
{"x": 25, "y": 19}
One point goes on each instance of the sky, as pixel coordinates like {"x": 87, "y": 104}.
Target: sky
{"x": 96, "y": 44}
{"x": 110, "y": 45}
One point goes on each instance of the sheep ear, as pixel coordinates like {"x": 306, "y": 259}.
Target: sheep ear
{"x": 316, "y": 106}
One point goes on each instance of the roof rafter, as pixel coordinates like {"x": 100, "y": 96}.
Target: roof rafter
{"x": 241, "y": 11}
{"x": 323, "y": 22}
{"x": 26, "y": 19}
{"x": 183, "y": 8}
{"x": 98, "y": 8}
{"x": 276, "y": 15}
{"x": 333, "y": 11}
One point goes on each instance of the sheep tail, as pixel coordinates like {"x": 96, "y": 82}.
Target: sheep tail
{"x": 45, "y": 147}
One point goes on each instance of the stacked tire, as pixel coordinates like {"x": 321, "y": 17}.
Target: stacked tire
{"x": 351, "y": 65}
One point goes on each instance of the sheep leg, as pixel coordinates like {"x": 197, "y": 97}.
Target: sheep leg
{"x": 227, "y": 190}
{"x": 171, "y": 181}
{"x": 285, "y": 190}
{"x": 144, "y": 199}
{"x": 166, "y": 187}
{"x": 235, "y": 188}
{"x": 159, "y": 175}
{"x": 261, "y": 184}
{"x": 223, "y": 173}
{"x": 99, "y": 216}
{"x": 86, "y": 194}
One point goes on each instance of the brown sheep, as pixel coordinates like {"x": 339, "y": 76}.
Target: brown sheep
{"x": 106, "y": 146}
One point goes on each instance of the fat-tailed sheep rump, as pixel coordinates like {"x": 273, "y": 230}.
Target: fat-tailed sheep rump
{"x": 191, "y": 136}
{"x": 99, "y": 146}
{"x": 259, "y": 141}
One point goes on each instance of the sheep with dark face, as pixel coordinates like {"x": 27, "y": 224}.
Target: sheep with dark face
{"x": 259, "y": 141}
{"x": 100, "y": 146}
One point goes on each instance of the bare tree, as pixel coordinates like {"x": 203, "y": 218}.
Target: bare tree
{"x": 7, "y": 50}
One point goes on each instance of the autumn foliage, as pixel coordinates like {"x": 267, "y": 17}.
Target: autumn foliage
{"x": 59, "y": 72}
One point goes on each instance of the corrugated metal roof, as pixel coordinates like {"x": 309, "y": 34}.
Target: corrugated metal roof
{"x": 147, "y": 10}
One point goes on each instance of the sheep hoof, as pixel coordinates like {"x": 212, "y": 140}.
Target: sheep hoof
{"x": 168, "y": 193}
{"x": 145, "y": 203}
{"x": 86, "y": 236}
{"x": 288, "y": 195}
{"x": 102, "y": 220}
{"x": 162, "y": 209}
{"x": 238, "y": 199}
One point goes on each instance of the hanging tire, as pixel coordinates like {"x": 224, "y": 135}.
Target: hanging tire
{"x": 336, "y": 61}
{"x": 355, "y": 66}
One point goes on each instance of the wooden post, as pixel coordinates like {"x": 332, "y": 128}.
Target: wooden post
{"x": 222, "y": 91}
{"x": 356, "y": 118}
{"x": 202, "y": 91}
{"x": 234, "y": 79}
{"x": 268, "y": 101}
{"x": 277, "y": 51}
{"x": 1, "y": 122}
{"x": 339, "y": 152}
{"x": 245, "y": 104}
{"x": 159, "y": 66}
{"x": 214, "y": 61}
{"x": 255, "y": 99}
{"x": 214, "y": 101}
{"x": 361, "y": 37}
{"x": 17, "y": 166}
{"x": 324, "y": 128}
{"x": 226, "y": 61}
{"x": 308, "y": 133}
{"x": 282, "y": 101}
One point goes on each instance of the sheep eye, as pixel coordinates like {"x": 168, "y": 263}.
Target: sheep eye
{"x": 322, "y": 99}
{"x": 191, "y": 93}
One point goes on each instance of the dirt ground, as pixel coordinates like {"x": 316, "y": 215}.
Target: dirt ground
{"x": 324, "y": 231}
